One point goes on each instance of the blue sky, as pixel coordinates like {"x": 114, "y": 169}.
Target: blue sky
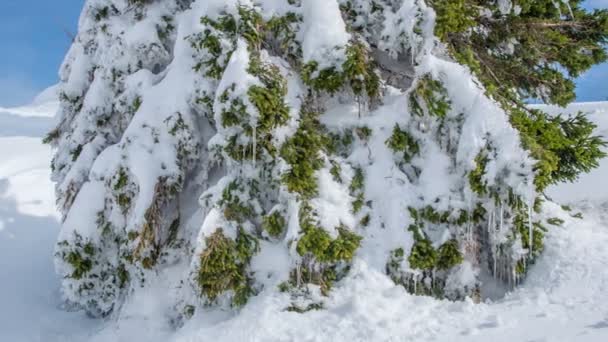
{"x": 33, "y": 41}
{"x": 32, "y": 45}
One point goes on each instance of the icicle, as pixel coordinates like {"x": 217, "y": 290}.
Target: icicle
{"x": 494, "y": 259}
{"x": 469, "y": 228}
{"x": 530, "y": 229}
{"x": 501, "y": 216}
{"x": 495, "y": 240}
{"x": 312, "y": 267}
{"x": 514, "y": 277}
{"x": 413, "y": 48}
{"x": 254, "y": 143}
{"x": 298, "y": 275}
{"x": 489, "y": 223}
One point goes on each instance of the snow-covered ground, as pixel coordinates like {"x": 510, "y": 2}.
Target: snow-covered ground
{"x": 30, "y": 303}
{"x": 563, "y": 299}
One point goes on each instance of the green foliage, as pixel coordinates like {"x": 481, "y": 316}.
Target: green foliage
{"x": 318, "y": 243}
{"x": 365, "y": 220}
{"x": 563, "y": 147}
{"x": 81, "y": 265}
{"x": 221, "y": 35}
{"x": 357, "y": 72}
{"x": 123, "y": 275}
{"x": 102, "y": 13}
{"x": 358, "y": 202}
{"x": 431, "y": 215}
{"x": 78, "y": 254}
{"x": 356, "y": 190}
{"x": 549, "y": 44}
{"x": 176, "y": 123}
{"x": 75, "y": 153}
{"x": 135, "y": 105}
{"x": 268, "y": 99}
{"x": 274, "y": 224}
{"x": 250, "y": 26}
{"x": 549, "y": 41}
{"x": 344, "y": 246}
{"x": 284, "y": 30}
{"x": 411, "y": 282}
{"x": 453, "y": 16}
{"x": 124, "y": 201}
{"x": 122, "y": 179}
{"x": 555, "y": 221}
{"x": 51, "y": 136}
{"x": 234, "y": 114}
{"x": 478, "y": 185}
{"x": 339, "y": 143}
{"x": 189, "y": 311}
{"x": 323, "y": 275}
{"x": 402, "y": 142}
{"x": 521, "y": 224}
{"x": 393, "y": 266}
{"x": 210, "y": 41}
{"x": 241, "y": 152}
{"x": 358, "y": 180}
{"x": 132, "y": 235}
{"x": 234, "y": 208}
{"x": 164, "y": 32}
{"x": 329, "y": 79}
{"x": 430, "y": 97}
{"x": 422, "y": 255}
{"x": 138, "y": 2}
{"x": 301, "y": 152}
{"x": 363, "y": 132}
{"x": 309, "y": 307}
{"x": 223, "y": 266}
{"x": 335, "y": 171}
{"x": 448, "y": 255}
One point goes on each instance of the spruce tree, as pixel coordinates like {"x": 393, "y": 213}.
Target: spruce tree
{"x": 200, "y": 139}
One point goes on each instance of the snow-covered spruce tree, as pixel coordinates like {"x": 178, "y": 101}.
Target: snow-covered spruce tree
{"x": 228, "y": 149}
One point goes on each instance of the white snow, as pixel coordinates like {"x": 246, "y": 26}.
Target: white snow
{"x": 563, "y": 299}
{"x": 31, "y": 304}
{"x": 324, "y": 32}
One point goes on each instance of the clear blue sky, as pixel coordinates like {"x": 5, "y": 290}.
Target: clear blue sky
{"x": 33, "y": 43}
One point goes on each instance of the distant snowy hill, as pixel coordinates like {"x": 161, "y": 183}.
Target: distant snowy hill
{"x": 564, "y": 298}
